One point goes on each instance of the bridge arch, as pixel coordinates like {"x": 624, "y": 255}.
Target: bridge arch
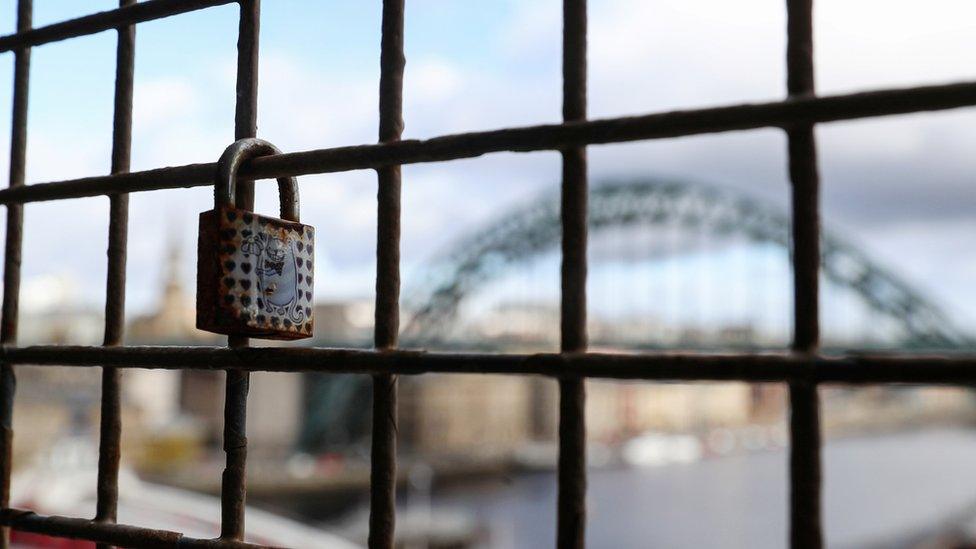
{"x": 522, "y": 234}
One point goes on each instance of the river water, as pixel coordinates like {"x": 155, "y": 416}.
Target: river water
{"x": 877, "y": 489}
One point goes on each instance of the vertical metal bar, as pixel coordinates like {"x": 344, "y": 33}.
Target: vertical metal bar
{"x": 572, "y": 391}
{"x": 382, "y": 512}
{"x": 233, "y": 483}
{"x": 233, "y": 489}
{"x": 246, "y": 106}
{"x": 805, "y": 476}
{"x": 110, "y": 431}
{"x": 12, "y": 255}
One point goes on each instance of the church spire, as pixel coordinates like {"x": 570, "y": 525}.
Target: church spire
{"x": 173, "y": 282}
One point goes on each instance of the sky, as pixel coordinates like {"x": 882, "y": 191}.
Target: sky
{"x": 899, "y": 187}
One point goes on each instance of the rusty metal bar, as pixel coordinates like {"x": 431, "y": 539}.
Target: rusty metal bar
{"x": 233, "y": 490}
{"x": 110, "y": 429}
{"x": 12, "y": 256}
{"x": 859, "y": 369}
{"x": 246, "y": 106}
{"x": 383, "y": 466}
{"x": 571, "y": 515}
{"x": 110, "y": 533}
{"x": 802, "y": 368}
{"x": 552, "y": 137}
{"x": 806, "y": 530}
{"x": 147, "y": 10}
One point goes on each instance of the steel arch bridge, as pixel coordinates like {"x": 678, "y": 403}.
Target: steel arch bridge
{"x": 534, "y": 229}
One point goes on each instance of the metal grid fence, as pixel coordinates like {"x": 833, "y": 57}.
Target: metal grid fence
{"x": 801, "y": 367}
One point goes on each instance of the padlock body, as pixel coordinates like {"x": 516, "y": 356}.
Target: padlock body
{"x": 254, "y": 275}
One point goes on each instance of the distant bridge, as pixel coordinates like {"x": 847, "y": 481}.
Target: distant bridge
{"x": 528, "y": 231}
{"x": 334, "y": 415}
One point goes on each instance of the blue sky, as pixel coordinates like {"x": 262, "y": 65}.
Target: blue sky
{"x": 900, "y": 187}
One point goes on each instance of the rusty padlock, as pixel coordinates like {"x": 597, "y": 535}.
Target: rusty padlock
{"x": 254, "y": 273}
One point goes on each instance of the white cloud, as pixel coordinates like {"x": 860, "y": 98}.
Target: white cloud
{"x": 435, "y": 80}
{"x": 159, "y": 101}
{"x": 882, "y": 43}
{"x": 644, "y": 57}
{"x": 302, "y": 107}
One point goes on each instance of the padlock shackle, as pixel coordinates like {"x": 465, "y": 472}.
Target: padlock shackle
{"x": 230, "y": 162}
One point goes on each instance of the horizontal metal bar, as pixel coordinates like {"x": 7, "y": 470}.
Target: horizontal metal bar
{"x": 950, "y": 369}
{"x": 141, "y": 12}
{"x": 780, "y": 114}
{"x": 114, "y": 534}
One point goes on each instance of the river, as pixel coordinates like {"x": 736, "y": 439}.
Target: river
{"x": 877, "y": 489}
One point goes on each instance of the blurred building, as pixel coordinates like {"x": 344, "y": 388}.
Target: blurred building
{"x": 489, "y": 416}
{"x": 195, "y": 398}
{"x": 439, "y": 414}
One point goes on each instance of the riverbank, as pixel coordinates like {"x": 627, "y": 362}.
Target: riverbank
{"x": 877, "y": 490}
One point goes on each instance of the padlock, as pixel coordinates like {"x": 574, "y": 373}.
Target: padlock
{"x": 254, "y": 273}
